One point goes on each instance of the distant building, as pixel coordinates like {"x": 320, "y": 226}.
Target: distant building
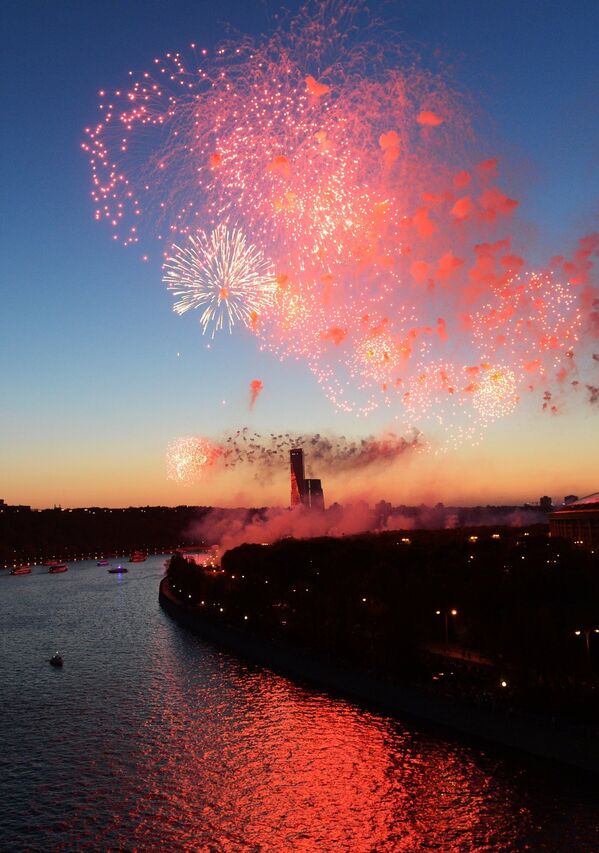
{"x": 578, "y": 521}
{"x": 303, "y": 492}
{"x": 12, "y": 508}
{"x": 313, "y": 494}
{"x": 545, "y": 503}
{"x": 296, "y": 460}
{"x": 382, "y": 510}
{"x": 570, "y": 499}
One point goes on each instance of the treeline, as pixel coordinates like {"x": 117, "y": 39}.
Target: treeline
{"x": 379, "y": 601}
{"x": 30, "y": 536}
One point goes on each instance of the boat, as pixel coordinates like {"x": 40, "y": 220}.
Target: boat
{"x": 138, "y": 557}
{"x": 118, "y": 571}
{"x": 57, "y": 568}
{"x": 102, "y": 563}
{"x": 21, "y": 570}
{"x": 55, "y": 660}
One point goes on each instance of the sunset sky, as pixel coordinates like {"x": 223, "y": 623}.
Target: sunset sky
{"x": 98, "y": 373}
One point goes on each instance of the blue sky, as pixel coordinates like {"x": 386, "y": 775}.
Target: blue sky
{"x": 88, "y": 341}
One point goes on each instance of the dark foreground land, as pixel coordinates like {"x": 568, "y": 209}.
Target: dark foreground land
{"x": 32, "y": 536}
{"x": 488, "y": 631}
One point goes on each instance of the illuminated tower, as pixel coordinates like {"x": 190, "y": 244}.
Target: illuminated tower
{"x": 296, "y": 460}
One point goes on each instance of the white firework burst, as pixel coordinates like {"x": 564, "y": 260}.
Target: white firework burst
{"x": 224, "y": 276}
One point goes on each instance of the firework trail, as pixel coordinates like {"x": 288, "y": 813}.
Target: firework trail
{"x": 382, "y": 252}
{"x": 256, "y": 386}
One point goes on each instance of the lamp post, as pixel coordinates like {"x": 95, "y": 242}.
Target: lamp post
{"x": 586, "y": 632}
{"x": 446, "y": 613}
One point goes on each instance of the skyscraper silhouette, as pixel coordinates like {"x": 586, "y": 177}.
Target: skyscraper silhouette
{"x": 313, "y": 495}
{"x": 303, "y": 492}
{"x": 296, "y": 460}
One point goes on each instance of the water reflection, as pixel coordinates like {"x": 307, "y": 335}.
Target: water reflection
{"x": 152, "y": 740}
{"x": 273, "y": 766}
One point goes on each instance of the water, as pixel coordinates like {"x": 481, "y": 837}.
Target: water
{"x": 150, "y": 739}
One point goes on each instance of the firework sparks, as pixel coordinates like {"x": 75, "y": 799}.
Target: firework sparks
{"x": 376, "y": 357}
{"x": 381, "y": 251}
{"x": 189, "y": 458}
{"x": 222, "y": 275}
{"x": 495, "y": 395}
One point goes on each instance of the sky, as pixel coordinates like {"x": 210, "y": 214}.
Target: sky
{"x": 98, "y": 374}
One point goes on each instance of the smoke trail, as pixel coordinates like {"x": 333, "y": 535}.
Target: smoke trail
{"x": 324, "y": 452}
{"x": 266, "y": 455}
{"x": 256, "y": 386}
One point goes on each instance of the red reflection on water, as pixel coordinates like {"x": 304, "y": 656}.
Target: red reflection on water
{"x": 237, "y": 759}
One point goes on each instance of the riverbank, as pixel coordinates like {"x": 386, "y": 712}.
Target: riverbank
{"x": 537, "y": 738}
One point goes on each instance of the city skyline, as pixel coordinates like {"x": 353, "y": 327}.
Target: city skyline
{"x": 102, "y": 375}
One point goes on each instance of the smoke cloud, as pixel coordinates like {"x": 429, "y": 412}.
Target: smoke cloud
{"x": 229, "y": 528}
{"x": 191, "y": 458}
{"x": 325, "y": 452}
{"x": 593, "y": 394}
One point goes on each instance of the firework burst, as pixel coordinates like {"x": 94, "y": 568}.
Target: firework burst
{"x": 382, "y": 255}
{"x": 223, "y": 276}
{"x": 189, "y": 458}
{"x": 495, "y": 394}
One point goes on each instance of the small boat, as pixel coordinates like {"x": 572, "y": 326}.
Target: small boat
{"x": 57, "y": 568}
{"x": 21, "y": 570}
{"x": 138, "y": 557}
{"x": 103, "y": 563}
{"x": 55, "y": 660}
{"x": 118, "y": 571}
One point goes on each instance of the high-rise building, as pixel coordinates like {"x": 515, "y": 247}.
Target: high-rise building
{"x": 304, "y": 492}
{"x": 313, "y": 494}
{"x": 296, "y": 460}
{"x": 545, "y": 503}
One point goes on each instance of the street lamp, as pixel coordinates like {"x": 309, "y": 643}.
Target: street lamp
{"x": 586, "y": 632}
{"x": 447, "y": 612}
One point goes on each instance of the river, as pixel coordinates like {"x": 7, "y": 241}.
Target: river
{"x": 150, "y": 739}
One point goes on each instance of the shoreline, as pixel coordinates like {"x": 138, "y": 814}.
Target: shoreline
{"x": 539, "y": 739}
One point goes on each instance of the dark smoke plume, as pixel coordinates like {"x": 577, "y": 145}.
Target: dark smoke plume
{"x": 324, "y": 453}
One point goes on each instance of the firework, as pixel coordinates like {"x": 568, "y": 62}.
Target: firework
{"x": 223, "y": 276}
{"x": 495, "y": 394}
{"x": 377, "y": 357}
{"x": 381, "y": 251}
{"x": 189, "y": 458}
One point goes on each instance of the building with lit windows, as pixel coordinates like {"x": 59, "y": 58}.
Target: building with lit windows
{"x": 578, "y": 521}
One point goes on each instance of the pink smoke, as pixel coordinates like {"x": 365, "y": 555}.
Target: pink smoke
{"x": 230, "y": 528}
